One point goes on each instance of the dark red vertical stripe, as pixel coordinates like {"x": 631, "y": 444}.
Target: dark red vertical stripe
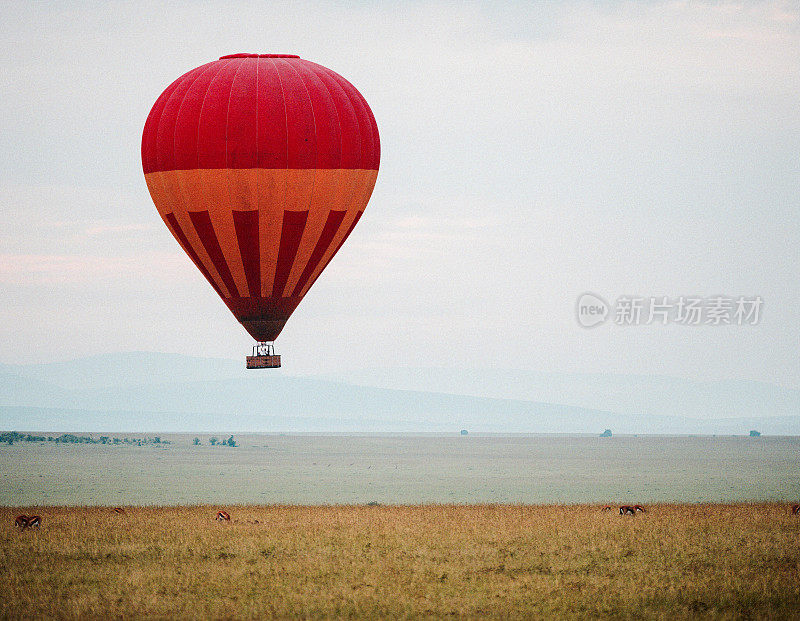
{"x": 205, "y": 231}
{"x": 178, "y": 232}
{"x": 350, "y": 230}
{"x": 332, "y": 225}
{"x": 344, "y": 239}
{"x": 294, "y": 223}
{"x": 246, "y": 225}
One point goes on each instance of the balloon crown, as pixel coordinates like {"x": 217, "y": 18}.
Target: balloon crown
{"x": 243, "y": 55}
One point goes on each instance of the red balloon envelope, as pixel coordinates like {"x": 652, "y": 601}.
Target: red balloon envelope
{"x": 261, "y": 165}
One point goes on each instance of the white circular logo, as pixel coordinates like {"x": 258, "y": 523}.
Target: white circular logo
{"x": 592, "y": 310}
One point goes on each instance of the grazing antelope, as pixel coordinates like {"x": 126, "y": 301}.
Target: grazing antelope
{"x": 639, "y": 508}
{"x": 795, "y": 509}
{"x": 606, "y": 508}
{"x": 21, "y": 521}
{"x": 119, "y": 510}
{"x": 34, "y": 521}
{"x": 223, "y": 516}
{"x": 627, "y": 510}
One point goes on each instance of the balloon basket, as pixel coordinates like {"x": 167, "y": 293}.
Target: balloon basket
{"x": 263, "y": 362}
{"x": 264, "y": 357}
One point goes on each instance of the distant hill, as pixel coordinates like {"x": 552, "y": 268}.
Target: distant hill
{"x": 631, "y": 394}
{"x": 174, "y": 393}
{"x": 129, "y": 369}
{"x": 121, "y": 421}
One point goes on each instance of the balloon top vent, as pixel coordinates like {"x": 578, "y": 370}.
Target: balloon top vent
{"x": 243, "y": 55}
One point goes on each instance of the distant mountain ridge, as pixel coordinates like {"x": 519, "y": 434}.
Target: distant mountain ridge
{"x": 174, "y": 393}
{"x": 653, "y": 395}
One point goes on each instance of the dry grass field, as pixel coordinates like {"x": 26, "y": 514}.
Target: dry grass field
{"x": 729, "y": 561}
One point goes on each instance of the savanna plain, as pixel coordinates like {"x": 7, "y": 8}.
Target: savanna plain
{"x": 402, "y": 561}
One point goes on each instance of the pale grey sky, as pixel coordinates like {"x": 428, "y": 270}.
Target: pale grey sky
{"x": 530, "y": 152}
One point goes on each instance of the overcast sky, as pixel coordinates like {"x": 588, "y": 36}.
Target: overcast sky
{"x": 530, "y": 153}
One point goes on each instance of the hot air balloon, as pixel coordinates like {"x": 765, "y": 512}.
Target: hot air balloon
{"x": 261, "y": 165}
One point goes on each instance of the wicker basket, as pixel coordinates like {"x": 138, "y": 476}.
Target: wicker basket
{"x": 263, "y": 362}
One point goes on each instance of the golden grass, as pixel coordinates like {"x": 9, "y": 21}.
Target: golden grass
{"x": 403, "y": 561}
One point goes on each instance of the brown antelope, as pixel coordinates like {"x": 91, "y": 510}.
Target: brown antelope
{"x": 639, "y": 508}
{"x": 606, "y": 508}
{"x": 795, "y": 509}
{"x": 223, "y": 516}
{"x": 119, "y": 510}
{"x": 34, "y": 521}
{"x": 21, "y": 521}
{"x": 627, "y": 510}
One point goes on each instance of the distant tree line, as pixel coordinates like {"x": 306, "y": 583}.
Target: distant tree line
{"x": 9, "y": 437}
{"x": 214, "y": 441}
